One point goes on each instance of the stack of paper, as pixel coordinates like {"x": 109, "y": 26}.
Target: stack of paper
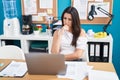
{"x": 14, "y": 69}
{"x": 76, "y": 70}
{"x": 102, "y": 75}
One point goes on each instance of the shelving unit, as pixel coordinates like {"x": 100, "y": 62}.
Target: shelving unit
{"x": 95, "y": 53}
{"x": 100, "y": 49}
{"x": 25, "y": 40}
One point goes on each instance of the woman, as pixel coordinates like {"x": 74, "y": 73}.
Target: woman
{"x": 70, "y": 40}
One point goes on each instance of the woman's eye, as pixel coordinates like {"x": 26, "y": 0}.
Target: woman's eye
{"x": 64, "y": 18}
{"x": 69, "y": 19}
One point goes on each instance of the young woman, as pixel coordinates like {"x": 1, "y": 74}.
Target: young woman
{"x": 70, "y": 40}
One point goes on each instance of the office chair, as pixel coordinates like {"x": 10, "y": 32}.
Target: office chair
{"x": 11, "y": 52}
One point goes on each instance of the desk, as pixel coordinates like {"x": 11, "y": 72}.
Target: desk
{"x": 97, "y": 66}
{"x": 26, "y": 39}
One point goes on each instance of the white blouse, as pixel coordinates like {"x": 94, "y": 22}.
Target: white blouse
{"x": 65, "y": 44}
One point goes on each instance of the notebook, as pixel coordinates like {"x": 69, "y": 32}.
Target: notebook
{"x": 45, "y": 64}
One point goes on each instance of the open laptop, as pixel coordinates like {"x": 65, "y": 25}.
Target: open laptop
{"x": 45, "y": 64}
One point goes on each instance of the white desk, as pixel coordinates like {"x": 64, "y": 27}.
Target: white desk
{"x": 26, "y": 39}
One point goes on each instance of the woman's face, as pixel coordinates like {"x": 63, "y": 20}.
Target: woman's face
{"x": 67, "y": 19}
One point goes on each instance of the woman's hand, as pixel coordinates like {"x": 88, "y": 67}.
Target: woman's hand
{"x": 65, "y": 27}
{"x": 61, "y": 31}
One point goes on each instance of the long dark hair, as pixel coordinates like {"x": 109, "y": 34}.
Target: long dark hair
{"x": 76, "y": 29}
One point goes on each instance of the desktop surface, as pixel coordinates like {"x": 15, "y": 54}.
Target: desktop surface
{"x": 97, "y": 66}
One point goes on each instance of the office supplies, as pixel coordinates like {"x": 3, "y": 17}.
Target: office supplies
{"x": 99, "y": 51}
{"x": 45, "y": 64}
{"x": 102, "y": 75}
{"x": 14, "y": 69}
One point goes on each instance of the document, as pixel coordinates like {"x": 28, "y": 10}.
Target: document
{"x": 30, "y": 7}
{"x": 76, "y": 70}
{"x": 102, "y": 75}
{"x": 14, "y": 69}
{"x": 46, "y": 4}
{"x": 81, "y": 6}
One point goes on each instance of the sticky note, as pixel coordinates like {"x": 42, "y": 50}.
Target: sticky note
{"x": 40, "y": 18}
{"x": 49, "y": 11}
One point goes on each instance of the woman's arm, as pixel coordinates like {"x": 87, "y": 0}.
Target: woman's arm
{"x": 76, "y": 55}
{"x": 57, "y": 39}
{"x": 55, "y": 43}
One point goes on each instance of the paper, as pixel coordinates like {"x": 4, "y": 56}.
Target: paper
{"x": 81, "y": 6}
{"x": 49, "y": 11}
{"x": 104, "y": 5}
{"x": 102, "y": 75}
{"x": 98, "y": 0}
{"x": 76, "y": 70}
{"x": 14, "y": 69}
{"x": 46, "y": 3}
{"x": 30, "y": 7}
{"x": 35, "y": 18}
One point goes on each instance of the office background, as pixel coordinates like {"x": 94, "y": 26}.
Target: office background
{"x": 113, "y": 28}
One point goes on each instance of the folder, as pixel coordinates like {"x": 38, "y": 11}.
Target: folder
{"x": 105, "y": 51}
{"x": 97, "y": 50}
{"x": 91, "y": 49}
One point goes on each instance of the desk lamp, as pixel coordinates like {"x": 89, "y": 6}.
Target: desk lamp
{"x": 91, "y": 16}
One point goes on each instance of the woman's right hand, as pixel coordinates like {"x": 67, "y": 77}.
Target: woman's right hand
{"x": 64, "y": 28}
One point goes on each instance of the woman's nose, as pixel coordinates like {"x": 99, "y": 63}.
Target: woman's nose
{"x": 66, "y": 22}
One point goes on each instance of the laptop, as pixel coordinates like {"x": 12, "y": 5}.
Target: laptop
{"x": 45, "y": 64}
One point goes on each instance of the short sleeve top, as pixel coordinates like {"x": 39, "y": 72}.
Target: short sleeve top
{"x": 65, "y": 44}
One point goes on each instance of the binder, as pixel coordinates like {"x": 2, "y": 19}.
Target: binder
{"x": 98, "y": 51}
